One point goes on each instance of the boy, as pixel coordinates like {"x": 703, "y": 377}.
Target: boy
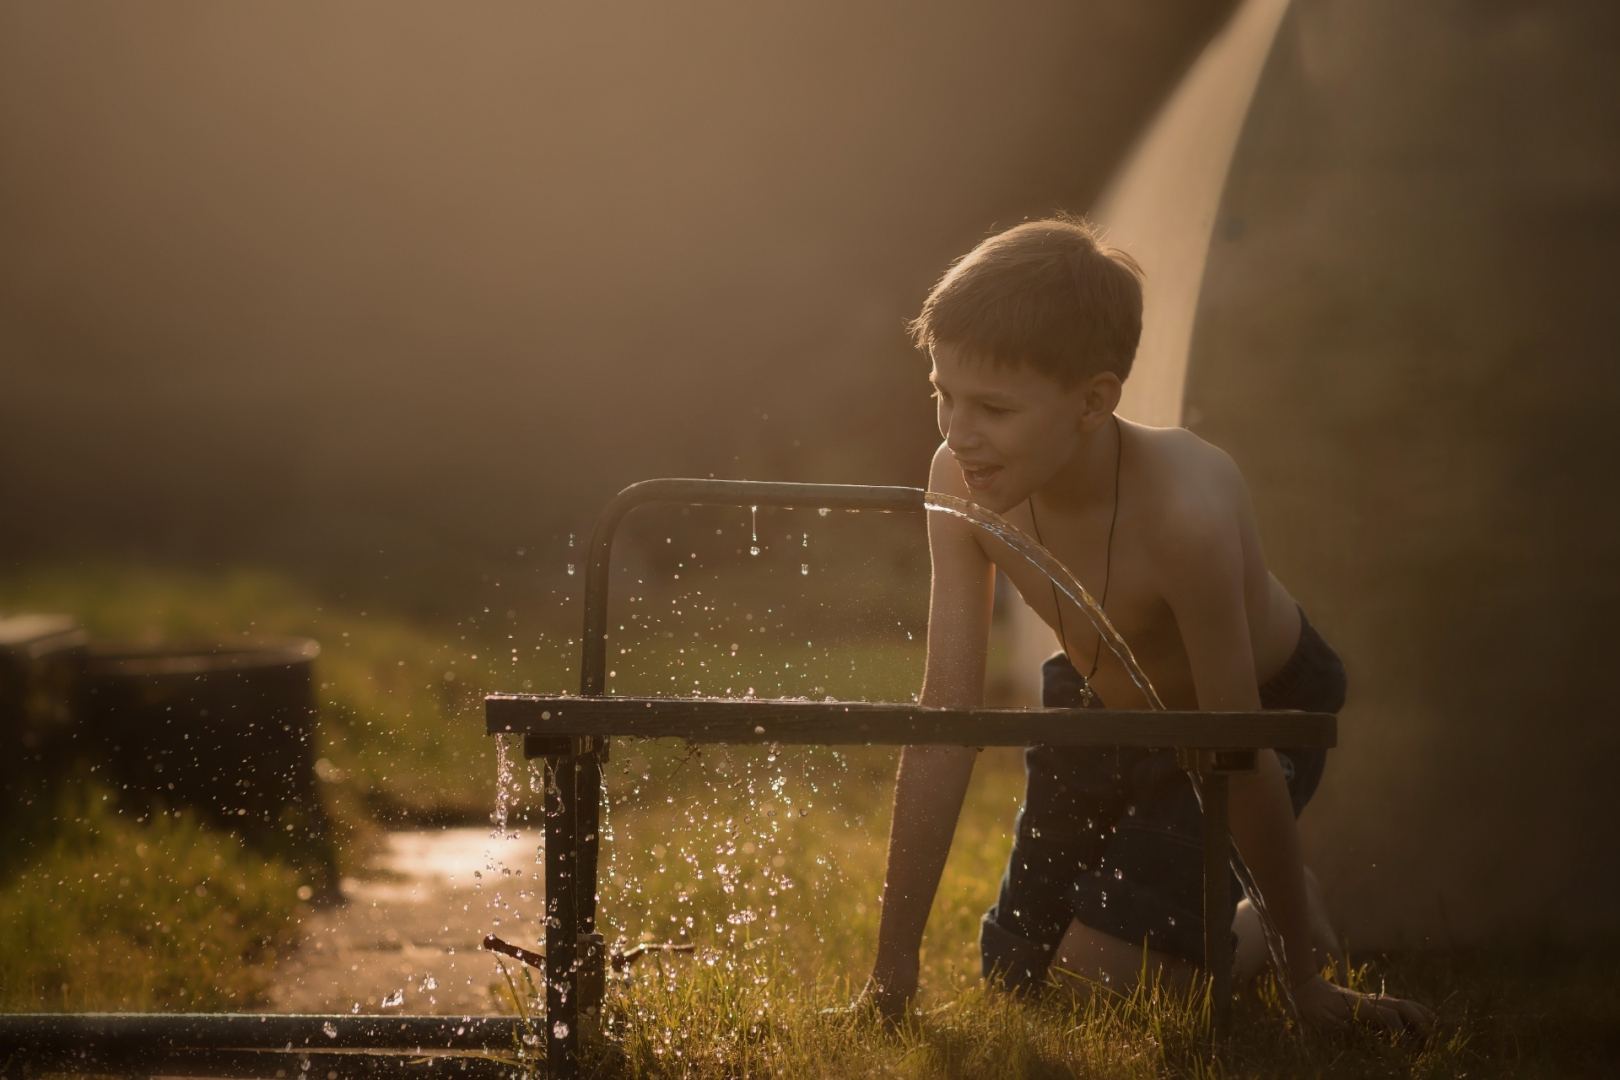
{"x": 1031, "y": 336}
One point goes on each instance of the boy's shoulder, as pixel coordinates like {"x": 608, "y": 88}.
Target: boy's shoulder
{"x": 1188, "y": 490}
{"x": 1178, "y": 461}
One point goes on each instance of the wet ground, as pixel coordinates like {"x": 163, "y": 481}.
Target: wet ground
{"x": 408, "y": 938}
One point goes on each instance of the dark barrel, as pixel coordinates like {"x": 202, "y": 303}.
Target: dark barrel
{"x": 227, "y": 728}
{"x": 41, "y": 675}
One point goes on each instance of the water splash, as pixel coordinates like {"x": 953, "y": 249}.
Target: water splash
{"x": 736, "y": 867}
{"x": 1043, "y": 560}
{"x": 506, "y": 787}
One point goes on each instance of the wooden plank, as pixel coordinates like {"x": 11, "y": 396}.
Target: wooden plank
{"x": 739, "y": 720}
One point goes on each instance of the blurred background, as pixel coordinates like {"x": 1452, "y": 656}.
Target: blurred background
{"x": 314, "y": 314}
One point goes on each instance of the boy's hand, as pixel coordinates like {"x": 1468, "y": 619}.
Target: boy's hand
{"x": 891, "y": 987}
{"x": 1324, "y": 1005}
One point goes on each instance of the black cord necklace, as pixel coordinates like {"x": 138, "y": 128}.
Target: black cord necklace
{"x": 1108, "y": 558}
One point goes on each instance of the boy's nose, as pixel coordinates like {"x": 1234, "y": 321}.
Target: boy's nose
{"x": 960, "y": 437}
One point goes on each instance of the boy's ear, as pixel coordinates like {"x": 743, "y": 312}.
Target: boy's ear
{"x": 1099, "y": 397}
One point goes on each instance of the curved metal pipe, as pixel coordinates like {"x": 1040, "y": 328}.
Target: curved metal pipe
{"x": 593, "y": 652}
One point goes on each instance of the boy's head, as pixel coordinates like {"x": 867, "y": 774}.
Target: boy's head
{"x": 1031, "y": 334}
{"x": 1049, "y": 293}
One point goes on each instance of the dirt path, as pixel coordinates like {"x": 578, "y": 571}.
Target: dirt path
{"x": 408, "y": 938}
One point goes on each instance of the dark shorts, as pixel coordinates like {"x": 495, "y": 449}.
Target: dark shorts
{"x": 1112, "y": 837}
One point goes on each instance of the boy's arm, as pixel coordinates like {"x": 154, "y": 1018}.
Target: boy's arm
{"x": 933, "y": 780}
{"x": 1202, "y": 563}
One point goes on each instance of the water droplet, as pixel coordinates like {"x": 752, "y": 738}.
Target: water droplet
{"x": 804, "y": 568}
{"x": 570, "y": 568}
{"x": 559, "y": 1030}
{"x": 330, "y": 1029}
{"x": 394, "y": 1000}
{"x": 754, "y": 550}
{"x": 430, "y": 983}
{"x": 822, "y": 511}
{"x": 758, "y": 730}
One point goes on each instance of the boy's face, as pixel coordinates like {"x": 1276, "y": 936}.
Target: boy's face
{"x": 1010, "y": 428}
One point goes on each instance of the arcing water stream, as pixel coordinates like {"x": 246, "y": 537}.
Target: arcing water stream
{"x": 1043, "y": 560}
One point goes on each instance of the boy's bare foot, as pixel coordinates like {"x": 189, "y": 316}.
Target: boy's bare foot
{"x": 1324, "y": 1005}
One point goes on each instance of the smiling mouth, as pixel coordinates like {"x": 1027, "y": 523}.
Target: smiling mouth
{"x": 981, "y": 477}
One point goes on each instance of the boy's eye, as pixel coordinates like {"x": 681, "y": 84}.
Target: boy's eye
{"x": 997, "y": 410}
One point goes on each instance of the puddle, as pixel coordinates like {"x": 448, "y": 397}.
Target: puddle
{"x": 408, "y": 939}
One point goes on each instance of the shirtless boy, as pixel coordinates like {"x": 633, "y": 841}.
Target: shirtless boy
{"x": 1032, "y": 335}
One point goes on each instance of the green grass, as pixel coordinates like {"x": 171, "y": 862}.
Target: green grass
{"x": 1519, "y": 1013}
{"x": 401, "y": 739}
{"x": 713, "y": 849}
{"x": 770, "y": 864}
{"x": 161, "y": 914}
{"x": 398, "y": 740}
{"x": 742, "y": 844}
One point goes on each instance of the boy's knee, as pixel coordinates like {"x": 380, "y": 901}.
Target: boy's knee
{"x": 1009, "y": 960}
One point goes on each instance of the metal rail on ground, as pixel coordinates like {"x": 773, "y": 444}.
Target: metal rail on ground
{"x": 260, "y": 1045}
